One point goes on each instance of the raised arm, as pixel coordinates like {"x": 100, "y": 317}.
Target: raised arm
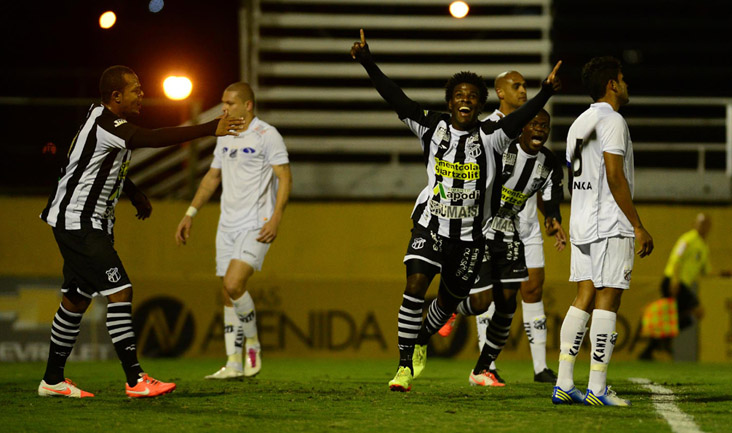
{"x": 388, "y": 90}
{"x": 514, "y": 122}
{"x": 168, "y": 136}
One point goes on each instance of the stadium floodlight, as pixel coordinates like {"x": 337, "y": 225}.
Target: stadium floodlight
{"x": 155, "y": 6}
{"x": 107, "y": 20}
{"x": 177, "y": 88}
{"x": 459, "y": 9}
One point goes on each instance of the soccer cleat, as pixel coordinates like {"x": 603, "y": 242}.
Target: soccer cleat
{"x": 226, "y": 373}
{"x": 67, "y": 388}
{"x": 419, "y": 359}
{"x": 402, "y": 380}
{"x": 148, "y": 387}
{"x": 496, "y": 376}
{"x": 485, "y": 378}
{"x": 448, "y": 327}
{"x": 546, "y": 376}
{"x": 253, "y": 362}
{"x": 574, "y": 395}
{"x": 609, "y": 399}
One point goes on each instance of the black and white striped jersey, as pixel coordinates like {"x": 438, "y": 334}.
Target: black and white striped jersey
{"x": 522, "y": 176}
{"x": 462, "y": 167}
{"x": 91, "y": 181}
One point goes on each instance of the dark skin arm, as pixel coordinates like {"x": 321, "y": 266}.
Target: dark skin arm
{"x": 138, "y": 198}
{"x": 168, "y": 136}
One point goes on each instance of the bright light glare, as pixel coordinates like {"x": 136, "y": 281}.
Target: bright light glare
{"x": 107, "y": 19}
{"x": 459, "y": 9}
{"x": 177, "y": 88}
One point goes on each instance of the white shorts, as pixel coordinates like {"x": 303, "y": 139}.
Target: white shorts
{"x": 607, "y": 262}
{"x": 241, "y": 245}
{"x": 534, "y": 254}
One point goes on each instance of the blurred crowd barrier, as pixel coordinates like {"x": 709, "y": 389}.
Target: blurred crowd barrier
{"x": 330, "y": 287}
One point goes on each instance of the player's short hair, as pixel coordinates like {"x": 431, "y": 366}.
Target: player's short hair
{"x": 113, "y": 79}
{"x": 243, "y": 91}
{"x": 469, "y": 78}
{"x": 597, "y": 72}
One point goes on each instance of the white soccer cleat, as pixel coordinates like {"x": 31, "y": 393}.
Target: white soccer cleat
{"x": 226, "y": 373}
{"x": 610, "y": 398}
{"x": 62, "y": 389}
{"x": 253, "y": 362}
{"x": 485, "y": 378}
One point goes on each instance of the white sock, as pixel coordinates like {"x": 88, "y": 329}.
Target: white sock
{"x": 571, "y": 335}
{"x": 481, "y": 322}
{"x": 231, "y": 324}
{"x": 535, "y": 327}
{"x": 603, "y": 335}
{"x": 244, "y": 308}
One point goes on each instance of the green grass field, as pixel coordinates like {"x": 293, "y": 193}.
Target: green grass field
{"x": 296, "y": 395}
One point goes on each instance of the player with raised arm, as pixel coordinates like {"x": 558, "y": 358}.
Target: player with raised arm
{"x": 510, "y": 89}
{"x": 254, "y": 171}
{"x": 603, "y": 226}
{"x": 81, "y": 212}
{"x": 461, "y": 155}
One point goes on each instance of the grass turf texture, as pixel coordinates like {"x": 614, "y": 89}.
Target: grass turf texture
{"x": 296, "y": 395}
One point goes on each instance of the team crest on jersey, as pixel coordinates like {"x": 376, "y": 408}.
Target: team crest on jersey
{"x": 537, "y": 183}
{"x": 509, "y": 158}
{"x": 119, "y": 122}
{"x": 418, "y": 243}
{"x": 113, "y": 275}
{"x": 247, "y": 150}
{"x": 232, "y": 153}
{"x": 627, "y": 274}
{"x": 472, "y": 147}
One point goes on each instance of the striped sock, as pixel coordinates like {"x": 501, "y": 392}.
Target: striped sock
{"x": 119, "y": 325}
{"x": 465, "y": 308}
{"x": 409, "y": 322}
{"x": 64, "y": 331}
{"x": 496, "y": 336}
{"x": 436, "y": 318}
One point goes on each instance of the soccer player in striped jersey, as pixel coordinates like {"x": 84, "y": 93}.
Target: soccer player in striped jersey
{"x": 462, "y": 157}
{"x": 81, "y": 212}
{"x": 602, "y": 228}
{"x": 254, "y": 171}
{"x": 510, "y": 88}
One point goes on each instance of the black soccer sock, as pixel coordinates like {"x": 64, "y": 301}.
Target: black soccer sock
{"x": 496, "y": 335}
{"x": 64, "y": 331}
{"x": 465, "y": 308}
{"x": 436, "y": 318}
{"x": 409, "y": 321}
{"x": 119, "y": 325}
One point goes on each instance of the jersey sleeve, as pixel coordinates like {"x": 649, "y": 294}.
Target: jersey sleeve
{"x": 494, "y": 137}
{"x": 553, "y": 191}
{"x": 216, "y": 163}
{"x": 274, "y": 147}
{"x": 612, "y": 133}
{"x": 114, "y": 132}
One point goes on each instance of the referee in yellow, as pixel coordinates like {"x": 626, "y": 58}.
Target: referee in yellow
{"x": 689, "y": 260}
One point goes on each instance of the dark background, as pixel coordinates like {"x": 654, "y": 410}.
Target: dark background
{"x": 56, "y": 49}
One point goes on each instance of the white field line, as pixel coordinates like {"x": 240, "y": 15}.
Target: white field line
{"x": 664, "y": 401}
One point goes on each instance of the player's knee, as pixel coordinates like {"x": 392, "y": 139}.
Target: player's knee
{"x": 234, "y": 287}
{"x": 480, "y": 302}
{"x": 121, "y": 296}
{"x": 531, "y": 294}
{"x": 75, "y": 303}
{"x": 417, "y": 285}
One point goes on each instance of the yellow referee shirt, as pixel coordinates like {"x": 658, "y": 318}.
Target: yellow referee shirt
{"x": 691, "y": 255}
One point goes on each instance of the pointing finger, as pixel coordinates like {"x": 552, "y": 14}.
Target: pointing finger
{"x": 554, "y": 71}
{"x": 363, "y": 38}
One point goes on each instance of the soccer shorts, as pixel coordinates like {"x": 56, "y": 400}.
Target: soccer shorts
{"x": 457, "y": 260}
{"x": 240, "y": 245}
{"x": 607, "y": 262}
{"x": 502, "y": 261}
{"x": 91, "y": 264}
{"x": 534, "y": 255}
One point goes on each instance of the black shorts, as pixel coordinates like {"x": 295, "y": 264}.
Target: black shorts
{"x": 91, "y": 264}
{"x": 457, "y": 261}
{"x": 504, "y": 262}
{"x": 686, "y": 299}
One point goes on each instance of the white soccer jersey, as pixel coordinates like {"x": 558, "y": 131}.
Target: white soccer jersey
{"x": 92, "y": 179}
{"x": 249, "y": 184}
{"x": 594, "y": 212}
{"x": 461, "y": 170}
